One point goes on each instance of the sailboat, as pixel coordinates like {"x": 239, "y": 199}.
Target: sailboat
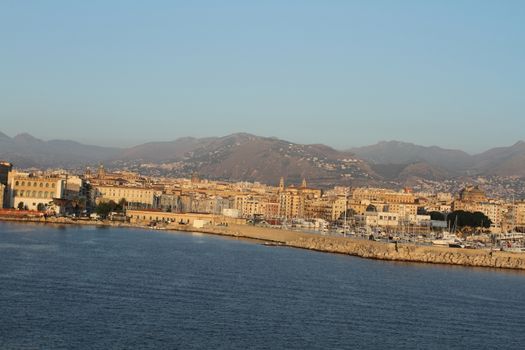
{"x": 449, "y": 239}
{"x": 513, "y": 241}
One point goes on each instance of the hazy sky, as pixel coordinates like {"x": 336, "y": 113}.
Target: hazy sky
{"x": 344, "y": 73}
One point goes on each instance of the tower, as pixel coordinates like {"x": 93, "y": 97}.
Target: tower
{"x": 101, "y": 171}
{"x": 281, "y": 184}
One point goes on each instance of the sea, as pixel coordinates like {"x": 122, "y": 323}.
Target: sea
{"x": 77, "y": 287}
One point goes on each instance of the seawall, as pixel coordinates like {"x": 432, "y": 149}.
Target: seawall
{"x": 377, "y": 250}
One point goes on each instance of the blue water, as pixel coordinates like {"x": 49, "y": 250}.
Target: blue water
{"x": 94, "y": 288}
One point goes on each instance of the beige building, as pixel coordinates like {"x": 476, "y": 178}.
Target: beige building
{"x": 472, "y": 194}
{"x": 326, "y": 208}
{"x": 381, "y": 195}
{"x": 403, "y": 210}
{"x": 377, "y": 219}
{"x": 291, "y": 204}
{"x": 520, "y": 214}
{"x": 34, "y": 192}
{"x": 134, "y": 196}
{"x": 249, "y": 205}
{"x": 292, "y": 199}
{"x": 147, "y": 216}
{"x": 2, "y": 192}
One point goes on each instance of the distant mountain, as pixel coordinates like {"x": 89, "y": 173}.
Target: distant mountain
{"x": 248, "y": 157}
{"x": 27, "y": 151}
{"x": 164, "y": 151}
{"x": 404, "y": 172}
{"x": 395, "y": 152}
{"x": 504, "y": 161}
{"x": 244, "y": 156}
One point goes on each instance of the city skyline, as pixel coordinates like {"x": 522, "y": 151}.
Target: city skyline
{"x": 346, "y": 75}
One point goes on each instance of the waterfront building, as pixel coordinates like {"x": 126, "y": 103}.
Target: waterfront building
{"x": 31, "y": 192}
{"x": 5, "y": 169}
{"x": 135, "y": 197}
{"x": 170, "y": 202}
{"x": 184, "y": 219}
{"x": 377, "y": 219}
{"x": 2, "y": 194}
{"x": 249, "y": 205}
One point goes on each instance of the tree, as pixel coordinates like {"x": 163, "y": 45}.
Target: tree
{"x": 437, "y": 216}
{"x": 41, "y": 207}
{"x": 422, "y": 211}
{"x": 104, "y": 208}
{"x": 468, "y": 219}
{"x": 21, "y": 206}
{"x": 121, "y": 205}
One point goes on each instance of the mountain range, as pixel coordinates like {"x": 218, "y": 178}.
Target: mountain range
{"x": 389, "y": 155}
{"x": 243, "y": 156}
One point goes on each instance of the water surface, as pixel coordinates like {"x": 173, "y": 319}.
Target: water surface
{"x": 100, "y": 288}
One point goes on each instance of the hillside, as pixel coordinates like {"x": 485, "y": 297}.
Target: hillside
{"x": 28, "y": 151}
{"x": 396, "y": 152}
{"x": 248, "y": 157}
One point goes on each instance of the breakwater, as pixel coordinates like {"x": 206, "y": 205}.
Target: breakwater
{"x": 378, "y": 250}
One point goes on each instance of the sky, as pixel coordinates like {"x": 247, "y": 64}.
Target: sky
{"x": 344, "y": 73}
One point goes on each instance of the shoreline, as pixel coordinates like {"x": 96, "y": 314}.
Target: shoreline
{"x": 329, "y": 244}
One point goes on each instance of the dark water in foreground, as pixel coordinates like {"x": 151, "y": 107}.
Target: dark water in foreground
{"x": 95, "y": 288}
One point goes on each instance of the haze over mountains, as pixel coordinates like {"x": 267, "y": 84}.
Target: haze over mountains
{"x": 243, "y": 156}
{"x": 504, "y": 161}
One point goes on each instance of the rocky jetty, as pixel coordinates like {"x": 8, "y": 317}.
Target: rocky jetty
{"x": 379, "y": 250}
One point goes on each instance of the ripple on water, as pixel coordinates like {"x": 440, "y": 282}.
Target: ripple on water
{"x": 114, "y": 288}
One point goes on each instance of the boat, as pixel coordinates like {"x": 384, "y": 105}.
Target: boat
{"x": 456, "y": 245}
{"x": 447, "y": 239}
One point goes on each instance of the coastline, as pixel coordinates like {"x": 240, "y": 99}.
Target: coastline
{"x": 329, "y": 244}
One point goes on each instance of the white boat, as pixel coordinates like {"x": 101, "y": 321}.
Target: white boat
{"x": 447, "y": 239}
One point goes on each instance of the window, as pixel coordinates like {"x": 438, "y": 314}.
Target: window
{"x": 41, "y": 184}
{"x": 23, "y": 183}
{"x": 47, "y": 184}
{"x": 33, "y": 194}
{"x": 39, "y": 194}
{"x": 16, "y": 183}
{"x": 35, "y": 184}
{"x": 53, "y": 185}
{"x": 46, "y": 194}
